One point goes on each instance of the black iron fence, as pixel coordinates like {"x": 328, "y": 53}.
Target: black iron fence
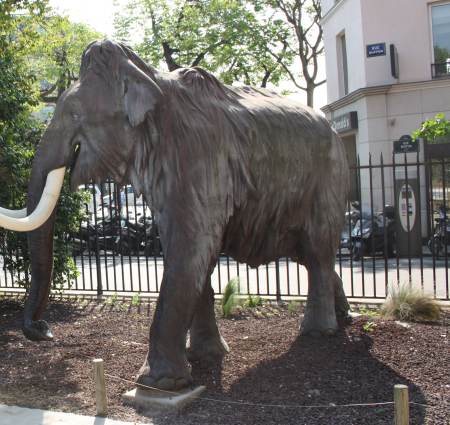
{"x": 396, "y": 232}
{"x": 439, "y": 70}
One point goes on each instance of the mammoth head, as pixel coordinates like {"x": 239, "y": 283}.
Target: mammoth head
{"x": 116, "y": 92}
{"x": 96, "y": 127}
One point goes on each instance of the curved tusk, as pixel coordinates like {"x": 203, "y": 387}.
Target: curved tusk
{"x": 44, "y": 209}
{"x": 13, "y": 213}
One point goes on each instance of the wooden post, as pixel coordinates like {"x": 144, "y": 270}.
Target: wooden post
{"x": 100, "y": 387}
{"x": 401, "y": 403}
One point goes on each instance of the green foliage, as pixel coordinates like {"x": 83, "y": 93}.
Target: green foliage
{"x": 369, "y": 326}
{"x": 253, "y": 301}
{"x": 226, "y": 37}
{"x": 136, "y": 300}
{"x": 19, "y": 135}
{"x": 252, "y": 42}
{"x": 434, "y": 130}
{"x": 55, "y": 56}
{"x": 112, "y": 300}
{"x": 365, "y": 311}
{"x": 441, "y": 54}
{"x": 408, "y": 304}
{"x": 293, "y": 306}
{"x": 229, "y": 299}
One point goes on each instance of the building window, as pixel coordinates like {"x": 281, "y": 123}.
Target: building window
{"x": 343, "y": 70}
{"x": 440, "y": 22}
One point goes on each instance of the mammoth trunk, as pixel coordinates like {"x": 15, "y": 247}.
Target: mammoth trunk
{"x": 40, "y": 242}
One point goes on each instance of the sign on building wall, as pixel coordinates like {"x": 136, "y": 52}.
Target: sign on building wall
{"x": 377, "y": 49}
{"x": 345, "y": 122}
{"x": 405, "y": 144}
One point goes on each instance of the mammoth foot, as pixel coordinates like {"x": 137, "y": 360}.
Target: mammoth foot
{"x": 207, "y": 351}
{"x": 173, "y": 381}
{"x": 318, "y": 325}
{"x": 37, "y": 330}
{"x": 342, "y": 308}
{"x": 165, "y": 383}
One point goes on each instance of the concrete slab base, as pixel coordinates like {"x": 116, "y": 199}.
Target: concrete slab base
{"x": 154, "y": 399}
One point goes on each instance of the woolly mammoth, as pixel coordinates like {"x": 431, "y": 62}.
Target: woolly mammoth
{"x": 235, "y": 170}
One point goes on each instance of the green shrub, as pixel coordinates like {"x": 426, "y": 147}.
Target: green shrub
{"x": 408, "y": 304}
{"x": 19, "y": 136}
{"x": 293, "y": 306}
{"x": 370, "y": 312}
{"x": 369, "y": 326}
{"x": 253, "y": 301}
{"x": 229, "y": 300}
{"x": 136, "y": 300}
{"x": 112, "y": 300}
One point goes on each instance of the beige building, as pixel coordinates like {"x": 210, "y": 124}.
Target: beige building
{"x": 388, "y": 70}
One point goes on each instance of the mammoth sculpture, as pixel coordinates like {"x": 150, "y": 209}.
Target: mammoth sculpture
{"x": 236, "y": 170}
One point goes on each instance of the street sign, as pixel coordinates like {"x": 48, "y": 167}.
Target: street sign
{"x": 406, "y": 144}
{"x": 377, "y": 49}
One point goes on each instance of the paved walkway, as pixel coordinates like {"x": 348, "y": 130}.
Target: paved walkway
{"x": 13, "y": 415}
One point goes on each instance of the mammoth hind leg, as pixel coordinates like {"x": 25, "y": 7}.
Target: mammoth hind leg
{"x": 205, "y": 342}
{"x": 320, "y": 313}
{"x": 342, "y": 306}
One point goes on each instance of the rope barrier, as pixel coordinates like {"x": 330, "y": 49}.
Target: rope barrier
{"x": 262, "y": 405}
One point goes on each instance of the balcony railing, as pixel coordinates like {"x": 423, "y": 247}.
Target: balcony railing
{"x": 439, "y": 70}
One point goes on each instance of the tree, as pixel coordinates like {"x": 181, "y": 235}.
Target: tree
{"x": 441, "y": 55}
{"x": 55, "y": 56}
{"x": 223, "y": 36}
{"x": 253, "y": 41}
{"x": 19, "y": 135}
{"x": 434, "y": 130}
{"x": 301, "y": 38}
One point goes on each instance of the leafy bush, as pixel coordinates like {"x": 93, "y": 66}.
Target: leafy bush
{"x": 229, "y": 299}
{"x": 369, "y": 326}
{"x": 408, "y": 304}
{"x": 434, "y": 130}
{"x": 19, "y": 136}
{"x": 294, "y": 306}
{"x": 253, "y": 301}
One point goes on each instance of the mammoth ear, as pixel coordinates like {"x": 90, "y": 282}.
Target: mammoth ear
{"x": 141, "y": 93}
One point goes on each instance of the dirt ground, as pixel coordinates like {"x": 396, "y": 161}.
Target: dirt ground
{"x": 270, "y": 375}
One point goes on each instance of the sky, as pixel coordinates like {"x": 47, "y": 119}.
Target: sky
{"x": 99, "y": 14}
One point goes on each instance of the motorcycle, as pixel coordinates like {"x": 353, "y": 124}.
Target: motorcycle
{"x": 100, "y": 235}
{"x": 351, "y": 218}
{"x": 372, "y": 234}
{"x": 135, "y": 237}
{"x": 441, "y": 234}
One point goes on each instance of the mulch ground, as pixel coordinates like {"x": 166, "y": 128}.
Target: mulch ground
{"x": 271, "y": 370}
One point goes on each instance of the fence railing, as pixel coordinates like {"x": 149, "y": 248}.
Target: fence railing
{"x": 395, "y": 232}
{"x": 439, "y": 70}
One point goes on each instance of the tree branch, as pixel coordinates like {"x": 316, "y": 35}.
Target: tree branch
{"x": 287, "y": 70}
{"x": 170, "y": 61}
{"x": 202, "y": 55}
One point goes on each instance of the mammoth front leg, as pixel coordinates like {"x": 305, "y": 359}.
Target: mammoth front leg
{"x": 205, "y": 342}
{"x": 166, "y": 366}
{"x": 189, "y": 252}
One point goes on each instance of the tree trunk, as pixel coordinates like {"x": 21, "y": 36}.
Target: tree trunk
{"x": 310, "y": 95}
